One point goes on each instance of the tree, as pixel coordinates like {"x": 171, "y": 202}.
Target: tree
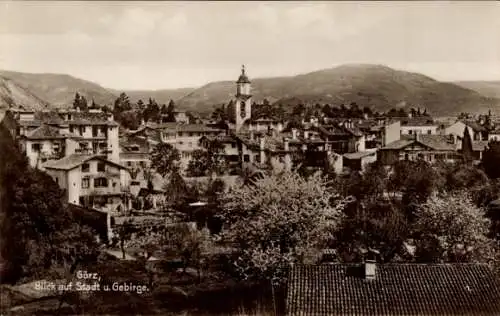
{"x": 277, "y": 220}
{"x": 451, "y": 228}
{"x": 124, "y": 233}
{"x": 467, "y": 151}
{"x": 491, "y": 157}
{"x": 377, "y": 224}
{"x": 122, "y": 103}
{"x": 38, "y": 229}
{"x": 207, "y": 161}
{"x": 80, "y": 102}
{"x": 165, "y": 158}
{"x": 190, "y": 244}
{"x": 177, "y": 191}
{"x": 76, "y": 101}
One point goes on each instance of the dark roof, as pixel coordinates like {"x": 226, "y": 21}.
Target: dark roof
{"x": 398, "y": 289}
{"x": 435, "y": 142}
{"x": 474, "y": 125}
{"x": 75, "y": 160}
{"x": 243, "y": 77}
{"x": 45, "y": 132}
{"x": 418, "y": 121}
{"x": 359, "y": 155}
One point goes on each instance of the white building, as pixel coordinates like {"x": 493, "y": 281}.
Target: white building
{"x": 91, "y": 180}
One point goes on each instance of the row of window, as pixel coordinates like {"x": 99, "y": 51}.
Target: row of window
{"x": 98, "y": 183}
{"x": 101, "y": 167}
{"x": 412, "y": 132}
{"x": 96, "y": 131}
{"x": 37, "y": 147}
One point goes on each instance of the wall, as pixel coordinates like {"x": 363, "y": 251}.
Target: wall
{"x": 391, "y": 133}
{"x": 47, "y": 149}
{"x": 405, "y": 130}
{"x": 113, "y": 144}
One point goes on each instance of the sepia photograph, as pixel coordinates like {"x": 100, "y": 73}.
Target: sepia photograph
{"x": 250, "y": 158}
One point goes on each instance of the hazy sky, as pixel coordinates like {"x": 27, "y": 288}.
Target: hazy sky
{"x": 154, "y": 45}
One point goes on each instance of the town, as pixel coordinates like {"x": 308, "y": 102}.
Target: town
{"x": 295, "y": 197}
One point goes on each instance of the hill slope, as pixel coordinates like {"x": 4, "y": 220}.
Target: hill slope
{"x": 14, "y": 95}
{"x": 376, "y": 86}
{"x": 161, "y": 96}
{"x": 487, "y": 88}
{"x": 58, "y": 89}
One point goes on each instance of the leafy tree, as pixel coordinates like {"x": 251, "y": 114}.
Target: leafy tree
{"x": 124, "y": 234}
{"x": 165, "y": 158}
{"x": 80, "y": 102}
{"x": 279, "y": 219}
{"x": 38, "y": 229}
{"x": 491, "y": 157}
{"x": 377, "y": 224}
{"x": 207, "y": 161}
{"x": 190, "y": 244}
{"x": 177, "y": 191}
{"x": 122, "y": 104}
{"x": 451, "y": 228}
{"x": 152, "y": 111}
{"x": 129, "y": 119}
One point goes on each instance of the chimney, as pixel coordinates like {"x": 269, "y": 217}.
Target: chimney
{"x": 252, "y": 135}
{"x": 286, "y": 144}
{"x": 306, "y": 134}
{"x": 294, "y": 133}
{"x": 370, "y": 269}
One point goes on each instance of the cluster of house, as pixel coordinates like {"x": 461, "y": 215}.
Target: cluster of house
{"x": 99, "y": 165}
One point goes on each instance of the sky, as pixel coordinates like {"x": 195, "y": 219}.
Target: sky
{"x": 163, "y": 45}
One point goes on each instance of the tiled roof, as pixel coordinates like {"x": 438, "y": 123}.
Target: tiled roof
{"x": 75, "y": 160}
{"x": 397, "y": 289}
{"x": 435, "y": 142}
{"x": 474, "y": 125}
{"x": 418, "y": 121}
{"x": 359, "y": 154}
{"x": 45, "y": 132}
{"x": 398, "y": 144}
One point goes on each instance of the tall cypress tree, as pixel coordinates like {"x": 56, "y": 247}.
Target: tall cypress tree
{"x": 467, "y": 151}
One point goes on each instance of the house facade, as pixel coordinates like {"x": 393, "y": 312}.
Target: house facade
{"x": 91, "y": 180}
{"x": 429, "y": 148}
{"x": 418, "y": 125}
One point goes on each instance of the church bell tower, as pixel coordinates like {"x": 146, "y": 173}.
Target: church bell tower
{"x": 243, "y": 101}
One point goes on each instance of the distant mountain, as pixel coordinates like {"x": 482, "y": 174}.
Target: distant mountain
{"x": 12, "y": 94}
{"x": 376, "y": 86}
{"x": 487, "y": 88}
{"x": 161, "y": 96}
{"x": 59, "y": 90}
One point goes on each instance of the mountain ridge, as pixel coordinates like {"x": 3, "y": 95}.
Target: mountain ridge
{"x": 377, "y": 86}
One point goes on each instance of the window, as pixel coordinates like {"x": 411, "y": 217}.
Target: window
{"x": 35, "y": 147}
{"x": 85, "y": 167}
{"x": 429, "y": 132}
{"x": 190, "y": 134}
{"x": 57, "y": 180}
{"x": 129, "y": 163}
{"x": 82, "y": 130}
{"x": 135, "y": 183}
{"x": 85, "y": 183}
{"x": 406, "y": 157}
{"x": 233, "y": 145}
{"x": 71, "y": 129}
{"x": 180, "y": 134}
{"x": 94, "y": 131}
{"x": 100, "y": 182}
{"x": 101, "y": 167}
{"x": 410, "y": 132}
{"x": 246, "y": 158}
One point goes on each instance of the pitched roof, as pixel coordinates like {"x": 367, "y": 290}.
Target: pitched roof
{"x": 398, "y": 289}
{"x": 418, "y": 121}
{"x": 436, "y": 142}
{"x": 45, "y": 132}
{"x": 359, "y": 154}
{"x": 75, "y": 160}
{"x": 474, "y": 125}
